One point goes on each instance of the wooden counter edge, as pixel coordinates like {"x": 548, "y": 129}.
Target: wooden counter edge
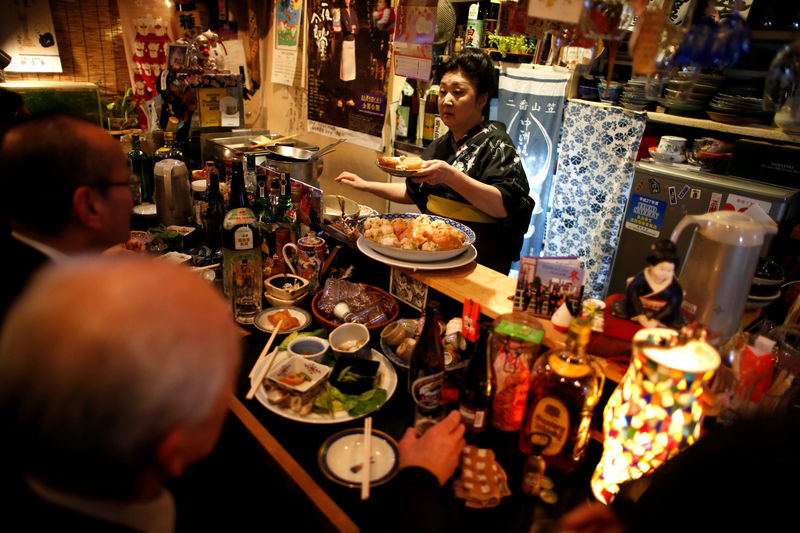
{"x": 331, "y": 511}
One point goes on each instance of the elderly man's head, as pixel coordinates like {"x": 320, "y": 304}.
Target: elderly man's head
{"x": 79, "y": 177}
{"x": 114, "y": 373}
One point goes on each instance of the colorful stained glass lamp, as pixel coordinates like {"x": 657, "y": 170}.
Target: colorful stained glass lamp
{"x": 655, "y": 411}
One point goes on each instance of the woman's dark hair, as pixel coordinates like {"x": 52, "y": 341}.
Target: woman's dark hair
{"x": 663, "y": 250}
{"x": 476, "y": 66}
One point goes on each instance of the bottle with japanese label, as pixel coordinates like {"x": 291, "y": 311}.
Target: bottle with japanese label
{"x": 565, "y": 387}
{"x": 250, "y": 180}
{"x": 241, "y": 253}
{"x": 426, "y": 371}
{"x": 431, "y": 112}
{"x": 403, "y": 120}
{"x": 474, "y": 34}
{"x": 475, "y": 393}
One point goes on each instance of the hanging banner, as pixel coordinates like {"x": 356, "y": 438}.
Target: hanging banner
{"x": 530, "y": 104}
{"x": 145, "y": 35}
{"x": 288, "y": 21}
{"x": 347, "y": 74}
{"x": 28, "y": 36}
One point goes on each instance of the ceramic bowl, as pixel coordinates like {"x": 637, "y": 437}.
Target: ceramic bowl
{"x": 299, "y": 374}
{"x": 666, "y": 158}
{"x": 286, "y": 286}
{"x": 331, "y": 209}
{"x": 309, "y": 347}
{"x": 394, "y": 333}
{"x": 350, "y": 339}
{"x": 281, "y": 302}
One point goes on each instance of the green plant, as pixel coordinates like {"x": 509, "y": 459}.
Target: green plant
{"x": 513, "y": 44}
{"x": 123, "y": 108}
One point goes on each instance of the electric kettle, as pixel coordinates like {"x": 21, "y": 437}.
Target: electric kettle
{"x": 173, "y": 192}
{"x": 719, "y": 266}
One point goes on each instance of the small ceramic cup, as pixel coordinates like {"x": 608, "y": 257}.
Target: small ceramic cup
{"x": 350, "y": 339}
{"x": 669, "y": 144}
{"x": 312, "y": 348}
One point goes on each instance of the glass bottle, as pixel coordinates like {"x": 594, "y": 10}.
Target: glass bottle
{"x": 142, "y": 168}
{"x": 284, "y": 215}
{"x": 426, "y": 371}
{"x": 564, "y": 389}
{"x": 215, "y": 211}
{"x": 431, "y": 112}
{"x": 403, "y": 122}
{"x": 168, "y": 150}
{"x": 250, "y": 180}
{"x": 238, "y": 194}
{"x": 474, "y": 34}
{"x": 475, "y": 392}
{"x": 241, "y": 254}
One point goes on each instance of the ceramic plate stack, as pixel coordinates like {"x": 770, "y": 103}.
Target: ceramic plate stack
{"x": 698, "y": 95}
{"x": 633, "y": 95}
{"x": 734, "y": 109}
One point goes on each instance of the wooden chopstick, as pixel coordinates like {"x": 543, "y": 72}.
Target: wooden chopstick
{"x": 259, "y": 379}
{"x": 266, "y": 348}
{"x": 366, "y": 458}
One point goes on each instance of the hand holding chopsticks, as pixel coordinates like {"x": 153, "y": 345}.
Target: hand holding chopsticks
{"x": 366, "y": 455}
{"x": 267, "y": 364}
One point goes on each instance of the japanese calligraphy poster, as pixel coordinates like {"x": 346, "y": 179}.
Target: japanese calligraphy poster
{"x": 348, "y": 72}
{"x": 145, "y": 34}
{"x": 28, "y": 35}
{"x": 530, "y": 104}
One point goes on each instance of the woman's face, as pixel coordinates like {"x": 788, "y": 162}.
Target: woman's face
{"x": 663, "y": 271}
{"x": 460, "y": 106}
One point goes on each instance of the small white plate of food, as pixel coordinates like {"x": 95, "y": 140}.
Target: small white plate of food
{"x": 401, "y": 166}
{"x": 294, "y": 319}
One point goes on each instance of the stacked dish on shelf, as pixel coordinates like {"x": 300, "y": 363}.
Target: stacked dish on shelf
{"x": 685, "y": 95}
{"x": 735, "y": 109}
{"x": 633, "y": 94}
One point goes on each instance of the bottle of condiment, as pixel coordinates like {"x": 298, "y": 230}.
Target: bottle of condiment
{"x": 564, "y": 390}
{"x": 168, "y": 150}
{"x": 475, "y": 392}
{"x": 250, "y": 180}
{"x": 215, "y": 211}
{"x": 200, "y": 203}
{"x": 431, "y": 112}
{"x": 426, "y": 372}
{"x": 142, "y": 168}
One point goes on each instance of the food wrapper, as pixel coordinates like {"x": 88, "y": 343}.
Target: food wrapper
{"x": 483, "y": 482}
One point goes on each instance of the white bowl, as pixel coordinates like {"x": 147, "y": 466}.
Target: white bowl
{"x": 286, "y": 286}
{"x": 350, "y": 339}
{"x": 308, "y": 347}
{"x": 274, "y": 301}
{"x": 331, "y": 210}
{"x": 666, "y": 158}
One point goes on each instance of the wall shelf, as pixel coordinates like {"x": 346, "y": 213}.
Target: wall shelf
{"x": 757, "y": 131}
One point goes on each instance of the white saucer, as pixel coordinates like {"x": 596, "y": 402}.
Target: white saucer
{"x": 340, "y": 457}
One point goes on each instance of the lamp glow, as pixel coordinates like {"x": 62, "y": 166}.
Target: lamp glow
{"x": 653, "y": 413}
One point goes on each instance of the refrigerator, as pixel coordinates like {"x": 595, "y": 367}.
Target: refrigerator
{"x": 662, "y": 194}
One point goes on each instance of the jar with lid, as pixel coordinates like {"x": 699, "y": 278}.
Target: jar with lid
{"x": 516, "y": 342}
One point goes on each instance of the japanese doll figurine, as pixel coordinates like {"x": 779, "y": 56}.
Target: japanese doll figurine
{"x": 653, "y": 297}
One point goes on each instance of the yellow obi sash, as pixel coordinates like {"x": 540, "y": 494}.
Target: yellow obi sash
{"x": 445, "y": 207}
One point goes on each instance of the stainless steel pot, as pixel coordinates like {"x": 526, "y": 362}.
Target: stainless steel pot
{"x": 303, "y": 163}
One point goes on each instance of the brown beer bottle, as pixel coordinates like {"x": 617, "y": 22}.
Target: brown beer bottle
{"x": 426, "y": 371}
{"x": 475, "y": 394}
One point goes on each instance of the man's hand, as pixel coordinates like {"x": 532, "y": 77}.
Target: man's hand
{"x": 438, "y": 450}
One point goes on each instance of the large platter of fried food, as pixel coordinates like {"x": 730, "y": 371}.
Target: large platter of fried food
{"x": 416, "y": 238}
{"x": 401, "y": 166}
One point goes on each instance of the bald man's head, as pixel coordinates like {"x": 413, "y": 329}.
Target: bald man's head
{"x": 101, "y": 358}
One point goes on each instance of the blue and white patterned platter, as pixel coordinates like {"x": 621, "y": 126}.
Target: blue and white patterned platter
{"x": 419, "y": 256}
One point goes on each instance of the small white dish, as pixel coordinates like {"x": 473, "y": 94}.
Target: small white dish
{"x": 340, "y": 457}
{"x": 145, "y": 209}
{"x": 274, "y": 301}
{"x": 262, "y": 322}
{"x": 308, "y": 347}
{"x": 308, "y": 374}
{"x": 350, "y": 339}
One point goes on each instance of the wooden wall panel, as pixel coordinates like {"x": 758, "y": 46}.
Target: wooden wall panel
{"x": 89, "y": 36}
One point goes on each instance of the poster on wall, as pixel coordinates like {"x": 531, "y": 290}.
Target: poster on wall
{"x": 347, "y": 72}
{"x": 413, "y": 38}
{"x": 28, "y": 36}
{"x": 288, "y": 21}
{"x": 145, "y": 34}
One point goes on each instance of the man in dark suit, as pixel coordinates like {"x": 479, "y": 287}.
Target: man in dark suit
{"x": 66, "y": 190}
